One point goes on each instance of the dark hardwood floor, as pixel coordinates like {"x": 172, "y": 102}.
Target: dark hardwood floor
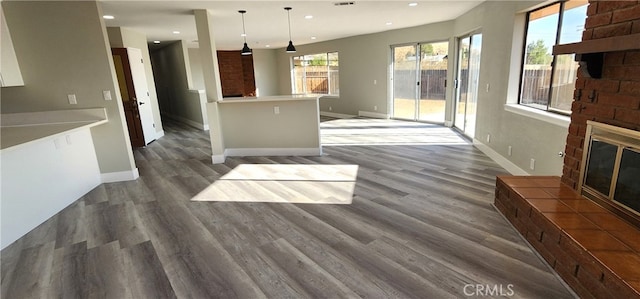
{"x": 421, "y": 225}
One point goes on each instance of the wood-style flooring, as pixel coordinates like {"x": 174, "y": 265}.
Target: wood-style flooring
{"x": 420, "y": 225}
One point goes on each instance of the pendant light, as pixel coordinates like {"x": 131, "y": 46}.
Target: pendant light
{"x": 245, "y": 50}
{"x": 290, "y": 47}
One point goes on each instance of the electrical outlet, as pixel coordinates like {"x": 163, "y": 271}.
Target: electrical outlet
{"x": 509, "y": 150}
{"x": 276, "y": 110}
{"x": 532, "y": 164}
{"x": 487, "y": 87}
{"x": 106, "y": 94}
{"x": 375, "y": 81}
{"x": 330, "y": 109}
{"x": 375, "y": 108}
{"x": 488, "y": 138}
{"x": 72, "y": 99}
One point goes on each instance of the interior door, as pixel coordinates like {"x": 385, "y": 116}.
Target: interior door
{"x": 128, "y": 93}
{"x": 468, "y": 72}
{"x": 139, "y": 77}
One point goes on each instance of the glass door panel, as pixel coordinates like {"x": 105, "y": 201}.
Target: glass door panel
{"x": 405, "y": 68}
{"x": 474, "y": 77}
{"x": 433, "y": 76}
{"x": 462, "y": 82}
{"x": 468, "y": 72}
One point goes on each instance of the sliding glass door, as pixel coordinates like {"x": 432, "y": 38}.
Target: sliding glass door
{"x": 419, "y": 81}
{"x": 467, "y": 77}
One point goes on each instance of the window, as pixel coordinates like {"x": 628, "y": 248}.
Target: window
{"x": 316, "y": 74}
{"x": 547, "y": 80}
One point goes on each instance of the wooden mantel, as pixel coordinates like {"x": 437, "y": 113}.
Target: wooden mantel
{"x": 609, "y": 44}
{"x": 590, "y": 53}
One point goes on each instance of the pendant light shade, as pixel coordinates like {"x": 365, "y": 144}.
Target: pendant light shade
{"x": 245, "y": 50}
{"x": 290, "y": 48}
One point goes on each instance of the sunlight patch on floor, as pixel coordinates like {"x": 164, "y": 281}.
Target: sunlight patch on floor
{"x": 284, "y": 183}
{"x": 358, "y": 131}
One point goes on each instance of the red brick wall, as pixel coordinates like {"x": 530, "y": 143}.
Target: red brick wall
{"x": 236, "y": 73}
{"x": 613, "y": 99}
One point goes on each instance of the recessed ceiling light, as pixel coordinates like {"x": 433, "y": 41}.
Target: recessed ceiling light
{"x": 268, "y": 46}
{"x": 413, "y": 4}
{"x": 108, "y": 17}
{"x": 313, "y": 37}
{"x": 388, "y": 23}
{"x": 308, "y": 17}
{"x": 176, "y": 32}
{"x": 156, "y": 41}
{"x": 243, "y": 34}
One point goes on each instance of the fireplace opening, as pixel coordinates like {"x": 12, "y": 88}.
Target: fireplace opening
{"x": 610, "y": 173}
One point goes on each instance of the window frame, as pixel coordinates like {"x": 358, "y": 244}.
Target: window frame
{"x": 329, "y": 81}
{"x": 561, "y": 12}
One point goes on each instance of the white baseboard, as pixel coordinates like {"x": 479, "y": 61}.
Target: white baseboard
{"x": 159, "y": 134}
{"x": 373, "y": 114}
{"x": 189, "y": 122}
{"x": 336, "y": 115}
{"x": 120, "y": 176}
{"x": 244, "y": 152}
{"x": 218, "y": 159}
{"x": 501, "y": 160}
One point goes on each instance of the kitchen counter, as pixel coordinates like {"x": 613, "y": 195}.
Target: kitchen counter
{"x": 48, "y": 162}
{"x": 20, "y": 129}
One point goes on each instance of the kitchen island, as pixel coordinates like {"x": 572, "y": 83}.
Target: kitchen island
{"x": 47, "y": 161}
{"x": 270, "y": 126}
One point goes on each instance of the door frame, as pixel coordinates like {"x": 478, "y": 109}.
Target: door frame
{"x": 456, "y": 81}
{"x": 134, "y": 123}
{"x": 418, "y": 80}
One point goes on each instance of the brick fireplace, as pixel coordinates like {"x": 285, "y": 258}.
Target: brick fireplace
{"x": 589, "y": 243}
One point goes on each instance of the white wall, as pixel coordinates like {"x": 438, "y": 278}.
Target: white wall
{"x": 62, "y": 49}
{"x": 42, "y": 178}
{"x": 366, "y": 58}
{"x": 126, "y": 38}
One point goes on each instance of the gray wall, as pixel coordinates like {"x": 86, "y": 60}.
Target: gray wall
{"x": 266, "y": 72}
{"x": 363, "y": 59}
{"x": 125, "y": 38}
{"x": 366, "y": 58}
{"x": 196, "y": 68}
{"x": 173, "y": 77}
{"x": 62, "y": 49}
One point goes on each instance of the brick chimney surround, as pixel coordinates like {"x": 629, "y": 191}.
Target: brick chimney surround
{"x": 594, "y": 250}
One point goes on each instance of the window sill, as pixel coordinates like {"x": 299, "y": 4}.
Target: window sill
{"x": 549, "y": 117}
{"x": 329, "y": 97}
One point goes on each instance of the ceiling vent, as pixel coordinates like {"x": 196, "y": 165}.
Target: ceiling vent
{"x": 345, "y": 3}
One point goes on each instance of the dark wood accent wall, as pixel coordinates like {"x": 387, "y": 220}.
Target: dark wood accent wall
{"x": 236, "y": 74}
{"x": 613, "y": 99}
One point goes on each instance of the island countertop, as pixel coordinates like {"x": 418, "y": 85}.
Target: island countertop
{"x": 268, "y": 99}
{"x": 21, "y": 129}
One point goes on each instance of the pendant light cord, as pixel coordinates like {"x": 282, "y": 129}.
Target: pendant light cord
{"x": 289, "y": 18}
{"x": 244, "y": 31}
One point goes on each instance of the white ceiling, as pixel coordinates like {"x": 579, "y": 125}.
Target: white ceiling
{"x": 266, "y": 20}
